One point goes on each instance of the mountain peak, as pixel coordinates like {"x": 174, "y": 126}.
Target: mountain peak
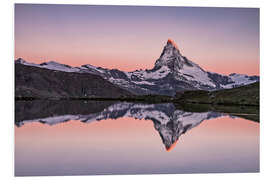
{"x": 170, "y": 147}
{"x": 170, "y": 41}
{"x": 20, "y": 61}
{"x": 50, "y": 62}
{"x": 170, "y": 56}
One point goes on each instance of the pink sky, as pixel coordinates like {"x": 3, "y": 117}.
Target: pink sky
{"x": 223, "y": 40}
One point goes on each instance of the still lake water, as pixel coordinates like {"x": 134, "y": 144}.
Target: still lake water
{"x": 90, "y": 138}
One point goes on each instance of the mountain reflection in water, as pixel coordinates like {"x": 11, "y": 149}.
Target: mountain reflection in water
{"x": 169, "y": 121}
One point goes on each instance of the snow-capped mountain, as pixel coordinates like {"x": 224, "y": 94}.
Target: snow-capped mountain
{"x": 171, "y": 73}
{"x": 170, "y": 122}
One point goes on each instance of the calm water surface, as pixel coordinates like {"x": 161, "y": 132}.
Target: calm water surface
{"x": 89, "y": 138}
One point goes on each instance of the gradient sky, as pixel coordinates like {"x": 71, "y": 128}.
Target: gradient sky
{"x": 222, "y": 40}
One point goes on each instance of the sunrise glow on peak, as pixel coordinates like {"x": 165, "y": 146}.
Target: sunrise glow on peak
{"x": 168, "y": 149}
{"x": 173, "y": 43}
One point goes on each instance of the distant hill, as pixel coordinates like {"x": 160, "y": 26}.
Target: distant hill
{"x": 244, "y": 95}
{"x": 34, "y": 82}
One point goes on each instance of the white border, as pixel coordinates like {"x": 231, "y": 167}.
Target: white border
{"x": 208, "y": 3}
{"x": 7, "y": 84}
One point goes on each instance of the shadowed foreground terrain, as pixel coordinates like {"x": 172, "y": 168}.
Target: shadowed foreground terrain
{"x": 39, "y": 83}
{"x": 245, "y": 95}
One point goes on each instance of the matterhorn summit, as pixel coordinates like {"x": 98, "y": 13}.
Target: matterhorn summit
{"x": 170, "y": 57}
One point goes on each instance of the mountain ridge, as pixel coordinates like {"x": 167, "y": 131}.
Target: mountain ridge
{"x": 171, "y": 73}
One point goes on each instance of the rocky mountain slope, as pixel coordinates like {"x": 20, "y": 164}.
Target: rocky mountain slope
{"x": 171, "y": 73}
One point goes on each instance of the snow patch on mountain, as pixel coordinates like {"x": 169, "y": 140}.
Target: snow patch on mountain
{"x": 22, "y": 61}
{"x": 195, "y": 73}
{"x": 144, "y": 82}
{"x": 239, "y": 80}
{"x": 51, "y": 120}
{"x": 58, "y": 67}
{"x": 90, "y": 67}
{"x": 147, "y": 74}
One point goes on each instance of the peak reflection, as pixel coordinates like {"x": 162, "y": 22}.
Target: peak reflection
{"x": 169, "y": 121}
